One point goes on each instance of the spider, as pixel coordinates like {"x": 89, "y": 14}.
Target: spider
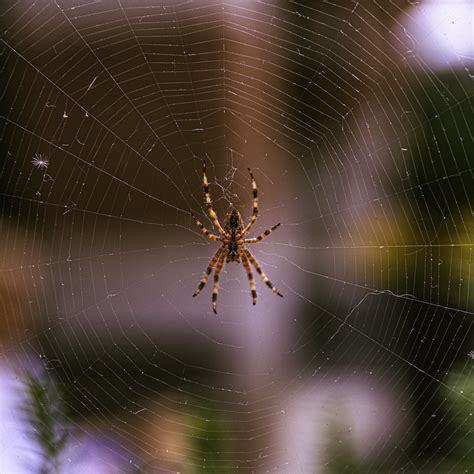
{"x": 232, "y": 238}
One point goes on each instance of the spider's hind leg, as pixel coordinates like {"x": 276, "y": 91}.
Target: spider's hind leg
{"x": 207, "y": 197}
{"x": 253, "y": 218}
{"x": 261, "y": 236}
{"x": 208, "y": 234}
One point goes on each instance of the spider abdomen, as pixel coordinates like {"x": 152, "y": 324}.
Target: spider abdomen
{"x": 233, "y": 225}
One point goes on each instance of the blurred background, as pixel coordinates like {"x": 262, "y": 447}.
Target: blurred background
{"x": 356, "y": 118}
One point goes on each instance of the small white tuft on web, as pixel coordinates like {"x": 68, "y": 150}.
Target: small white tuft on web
{"x": 40, "y": 161}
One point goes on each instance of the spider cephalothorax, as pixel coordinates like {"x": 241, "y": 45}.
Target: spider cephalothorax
{"x": 232, "y": 238}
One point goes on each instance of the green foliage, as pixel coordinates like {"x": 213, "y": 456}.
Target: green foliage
{"x": 459, "y": 398}
{"x": 210, "y": 440}
{"x": 341, "y": 457}
{"x": 459, "y": 394}
{"x": 46, "y": 420}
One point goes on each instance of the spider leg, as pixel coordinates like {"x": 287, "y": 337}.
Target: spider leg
{"x": 207, "y": 195}
{"x": 261, "y": 236}
{"x": 208, "y": 234}
{"x": 246, "y": 265}
{"x": 260, "y": 272}
{"x": 255, "y": 205}
{"x": 215, "y": 288}
{"x": 208, "y": 271}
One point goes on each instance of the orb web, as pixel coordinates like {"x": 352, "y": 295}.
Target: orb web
{"x": 361, "y": 146}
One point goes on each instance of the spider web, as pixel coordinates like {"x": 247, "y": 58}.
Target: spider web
{"x": 361, "y": 146}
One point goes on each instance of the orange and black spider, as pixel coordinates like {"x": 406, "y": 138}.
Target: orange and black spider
{"x": 232, "y": 238}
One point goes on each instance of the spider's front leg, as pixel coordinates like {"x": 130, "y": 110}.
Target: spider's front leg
{"x": 246, "y": 265}
{"x": 261, "y": 272}
{"x": 215, "y": 288}
{"x": 208, "y": 271}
